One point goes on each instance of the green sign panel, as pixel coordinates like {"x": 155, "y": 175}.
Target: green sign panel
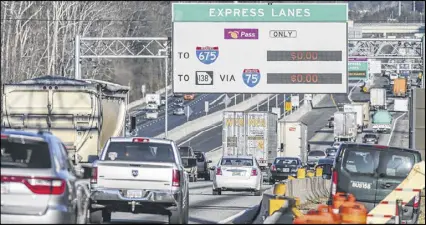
{"x": 358, "y": 70}
{"x": 286, "y": 12}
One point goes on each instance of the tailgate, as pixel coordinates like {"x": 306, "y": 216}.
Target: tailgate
{"x": 240, "y": 173}
{"x": 136, "y": 175}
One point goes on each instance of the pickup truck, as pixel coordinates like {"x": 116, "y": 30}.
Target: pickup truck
{"x": 140, "y": 175}
{"x": 187, "y": 153}
{"x": 202, "y": 165}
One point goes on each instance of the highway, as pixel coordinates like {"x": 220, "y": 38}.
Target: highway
{"x": 205, "y": 208}
{"x": 212, "y": 138}
{"x": 155, "y": 127}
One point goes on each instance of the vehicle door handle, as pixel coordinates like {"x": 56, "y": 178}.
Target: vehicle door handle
{"x": 387, "y": 185}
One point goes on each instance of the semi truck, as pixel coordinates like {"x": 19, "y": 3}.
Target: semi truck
{"x": 382, "y": 121}
{"x": 293, "y": 140}
{"x": 378, "y": 98}
{"x": 358, "y": 109}
{"x": 345, "y": 127}
{"x": 250, "y": 133}
{"x": 400, "y": 87}
{"x": 84, "y": 114}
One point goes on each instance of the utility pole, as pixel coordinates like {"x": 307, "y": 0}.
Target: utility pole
{"x": 399, "y": 8}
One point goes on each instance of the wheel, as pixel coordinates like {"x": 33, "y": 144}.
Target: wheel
{"x": 257, "y": 193}
{"x": 106, "y": 215}
{"x": 217, "y": 192}
{"x": 271, "y": 181}
{"x": 96, "y": 216}
{"x": 195, "y": 178}
{"x": 207, "y": 176}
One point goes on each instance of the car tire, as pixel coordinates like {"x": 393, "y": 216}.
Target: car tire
{"x": 106, "y": 216}
{"x": 217, "y": 192}
{"x": 257, "y": 193}
{"x": 195, "y": 178}
{"x": 207, "y": 176}
{"x": 191, "y": 179}
{"x": 271, "y": 181}
{"x": 96, "y": 216}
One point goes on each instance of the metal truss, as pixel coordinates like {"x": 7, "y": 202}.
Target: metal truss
{"x": 119, "y": 47}
{"x": 385, "y": 48}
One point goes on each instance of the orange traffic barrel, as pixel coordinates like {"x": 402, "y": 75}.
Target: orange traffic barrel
{"x": 353, "y": 213}
{"x": 325, "y": 215}
{"x": 339, "y": 198}
{"x": 316, "y": 219}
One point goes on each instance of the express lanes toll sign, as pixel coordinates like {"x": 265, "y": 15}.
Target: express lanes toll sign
{"x": 260, "y": 48}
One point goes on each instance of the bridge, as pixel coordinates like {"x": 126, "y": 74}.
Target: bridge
{"x": 390, "y": 28}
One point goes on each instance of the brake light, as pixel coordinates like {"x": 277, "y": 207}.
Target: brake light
{"x": 140, "y": 140}
{"x": 334, "y": 183}
{"x": 416, "y": 201}
{"x": 273, "y": 168}
{"x": 38, "y": 185}
{"x": 254, "y": 172}
{"x": 94, "y": 178}
{"x": 381, "y": 146}
{"x": 4, "y": 136}
{"x": 176, "y": 178}
{"x": 218, "y": 171}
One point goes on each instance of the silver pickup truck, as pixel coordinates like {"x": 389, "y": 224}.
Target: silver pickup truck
{"x": 140, "y": 175}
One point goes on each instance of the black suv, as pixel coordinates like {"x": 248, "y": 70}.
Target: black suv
{"x": 371, "y": 172}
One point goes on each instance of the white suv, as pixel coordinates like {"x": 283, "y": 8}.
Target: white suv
{"x": 151, "y": 114}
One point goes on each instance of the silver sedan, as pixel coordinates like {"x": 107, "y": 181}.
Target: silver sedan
{"x": 179, "y": 111}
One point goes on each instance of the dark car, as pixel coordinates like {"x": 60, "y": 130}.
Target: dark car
{"x": 371, "y": 172}
{"x": 370, "y": 139}
{"x": 330, "y": 122}
{"x": 202, "y": 165}
{"x": 284, "y": 167}
{"x": 331, "y": 152}
{"x": 326, "y": 164}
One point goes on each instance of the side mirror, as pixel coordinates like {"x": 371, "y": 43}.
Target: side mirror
{"x": 192, "y": 162}
{"x": 212, "y": 167}
{"x": 209, "y": 161}
{"x": 132, "y": 123}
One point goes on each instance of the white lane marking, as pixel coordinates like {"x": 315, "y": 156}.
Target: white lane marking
{"x": 211, "y": 128}
{"x": 229, "y": 219}
{"x": 217, "y": 99}
{"x": 350, "y": 93}
{"x": 393, "y": 128}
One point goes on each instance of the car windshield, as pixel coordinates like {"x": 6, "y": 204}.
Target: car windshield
{"x": 316, "y": 153}
{"x": 25, "y": 153}
{"x": 185, "y": 152}
{"x": 370, "y": 136}
{"x": 286, "y": 161}
{"x": 331, "y": 151}
{"x": 236, "y": 162}
{"x": 138, "y": 151}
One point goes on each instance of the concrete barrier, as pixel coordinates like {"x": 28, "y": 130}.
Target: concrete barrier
{"x": 206, "y": 121}
{"x": 305, "y": 108}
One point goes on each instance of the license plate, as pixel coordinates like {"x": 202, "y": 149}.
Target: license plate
{"x": 286, "y": 169}
{"x": 236, "y": 173}
{"x": 134, "y": 194}
{"x": 4, "y": 188}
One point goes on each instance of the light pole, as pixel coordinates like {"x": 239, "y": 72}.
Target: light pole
{"x": 166, "y": 107}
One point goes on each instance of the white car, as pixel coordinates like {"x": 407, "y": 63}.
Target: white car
{"x": 151, "y": 114}
{"x": 237, "y": 173}
{"x": 152, "y": 106}
{"x": 179, "y": 111}
{"x": 163, "y": 101}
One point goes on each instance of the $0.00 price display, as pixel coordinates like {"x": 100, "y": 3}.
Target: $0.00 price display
{"x": 304, "y": 78}
{"x": 291, "y": 56}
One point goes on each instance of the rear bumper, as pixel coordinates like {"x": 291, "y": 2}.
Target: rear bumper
{"x": 236, "y": 185}
{"x": 52, "y": 216}
{"x": 157, "y": 196}
{"x": 282, "y": 175}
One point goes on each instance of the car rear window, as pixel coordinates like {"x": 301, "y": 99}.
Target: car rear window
{"x": 199, "y": 156}
{"x": 316, "y": 153}
{"x": 370, "y": 136}
{"x": 389, "y": 162}
{"x": 286, "y": 161}
{"x": 137, "y": 151}
{"x": 185, "y": 152}
{"x": 237, "y": 162}
{"x": 361, "y": 161}
{"x": 24, "y": 153}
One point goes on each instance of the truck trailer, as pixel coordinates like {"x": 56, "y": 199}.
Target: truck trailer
{"x": 359, "y": 110}
{"x": 293, "y": 140}
{"x": 84, "y": 114}
{"x": 345, "y": 127}
{"x": 250, "y": 133}
{"x": 378, "y": 98}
